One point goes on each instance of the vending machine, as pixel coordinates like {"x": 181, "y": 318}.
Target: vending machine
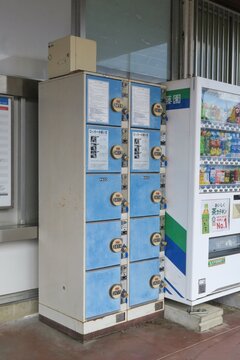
{"x": 203, "y": 191}
{"x": 102, "y": 167}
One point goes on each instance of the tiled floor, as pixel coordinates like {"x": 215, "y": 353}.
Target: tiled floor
{"x": 29, "y": 339}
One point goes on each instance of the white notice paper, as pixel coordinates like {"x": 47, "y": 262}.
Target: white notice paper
{"x": 98, "y": 101}
{"x": 140, "y": 150}
{"x": 140, "y": 106}
{"x": 5, "y": 152}
{"x": 98, "y": 151}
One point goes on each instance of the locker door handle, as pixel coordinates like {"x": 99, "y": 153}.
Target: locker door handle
{"x": 155, "y": 281}
{"x": 117, "y": 104}
{"x": 156, "y": 239}
{"x": 157, "y": 109}
{"x": 156, "y": 196}
{"x": 117, "y": 152}
{"x": 116, "y": 245}
{"x": 115, "y": 291}
{"x": 156, "y": 152}
{"x": 116, "y": 199}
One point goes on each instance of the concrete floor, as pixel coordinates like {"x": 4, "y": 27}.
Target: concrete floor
{"x": 29, "y": 339}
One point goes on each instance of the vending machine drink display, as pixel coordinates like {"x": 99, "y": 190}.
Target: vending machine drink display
{"x": 102, "y": 201}
{"x": 203, "y": 190}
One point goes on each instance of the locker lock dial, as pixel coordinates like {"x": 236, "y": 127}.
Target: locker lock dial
{"x": 117, "y": 104}
{"x": 157, "y": 109}
{"x": 116, "y": 198}
{"x": 155, "y": 281}
{"x": 116, "y": 291}
{"x": 156, "y": 239}
{"x": 117, "y": 152}
{"x": 156, "y": 152}
{"x": 156, "y": 196}
{"x": 116, "y": 245}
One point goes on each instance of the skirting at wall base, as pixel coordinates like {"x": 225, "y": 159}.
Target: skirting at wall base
{"x": 17, "y": 310}
{"x": 102, "y": 332}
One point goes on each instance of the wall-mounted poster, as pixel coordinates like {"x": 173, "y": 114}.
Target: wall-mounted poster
{"x": 5, "y": 152}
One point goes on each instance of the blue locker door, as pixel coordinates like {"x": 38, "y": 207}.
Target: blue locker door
{"x": 140, "y": 276}
{"x": 141, "y": 231}
{"x": 141, "y": 190}
{"x": 100, "y": 93}
{"x": 99, "y": 191}
{"x": 99, "y": 146}
{"x": 144, "y": 144}
{"x": 98, "y": 286}
{"x": 153, "y": 95}
{"x": 100, "y": 250}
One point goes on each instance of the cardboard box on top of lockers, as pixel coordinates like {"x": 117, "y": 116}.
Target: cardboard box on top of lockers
{"x": 69, "y": 54}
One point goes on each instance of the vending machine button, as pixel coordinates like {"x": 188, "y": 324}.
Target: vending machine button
{"x": 117, "y": 152}
{"x": 156, "y": 152}
{"x": 157, "y": 109}
{"x": 116, "y": 291}
{"x": 116, "y": 199}
{"x": 117, "y": 104}
{"x": 155, "y": 281}
{"x": 116, "y": 245}
{"x": 156, "y": 239}
{"x": 156, "y": 196}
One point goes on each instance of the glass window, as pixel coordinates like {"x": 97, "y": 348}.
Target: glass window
{"x": 26, "y": 27}
{"x": 133, "y": 37}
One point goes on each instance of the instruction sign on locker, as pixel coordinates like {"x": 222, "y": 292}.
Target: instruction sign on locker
{"x": 146, "y": 151}
{"x": 104, "y": 101}
{"x": 146, "y": 106}
{"x": 104, "y": 150}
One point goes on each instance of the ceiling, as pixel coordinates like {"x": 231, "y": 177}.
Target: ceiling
{"x": 231, "y": 4}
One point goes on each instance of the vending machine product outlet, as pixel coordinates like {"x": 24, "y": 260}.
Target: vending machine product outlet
{"x": 102, "y": 141}
{"x": 203, "y": 190}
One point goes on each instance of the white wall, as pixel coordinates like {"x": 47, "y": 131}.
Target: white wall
{"x": 26, "y": 27}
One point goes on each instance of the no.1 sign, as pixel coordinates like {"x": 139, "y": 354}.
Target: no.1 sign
{"x": 215, "y": 215}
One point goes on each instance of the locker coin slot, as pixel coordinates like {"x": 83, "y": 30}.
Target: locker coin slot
{"x": 117, "y": 152}
{"x": 116, "y": 199}
{"x": 155, "y": 281}
{"x": 115, "y": 291}
{"x": 157, "y": 109}
{"x": 156, "y": 196}
{"x": 156, "y": 239}
{"x": 117, "y": 104}
{"x": 116, "y": 245}
{"x": 156, "y": 152}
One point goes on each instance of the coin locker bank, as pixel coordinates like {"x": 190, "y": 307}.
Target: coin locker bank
{"x": 102, "y": 201}
{"x": 203, "y": 189}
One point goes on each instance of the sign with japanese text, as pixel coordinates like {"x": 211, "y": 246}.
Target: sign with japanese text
{"x": 215, "y": 215}
{"x": 178, "y": 99}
